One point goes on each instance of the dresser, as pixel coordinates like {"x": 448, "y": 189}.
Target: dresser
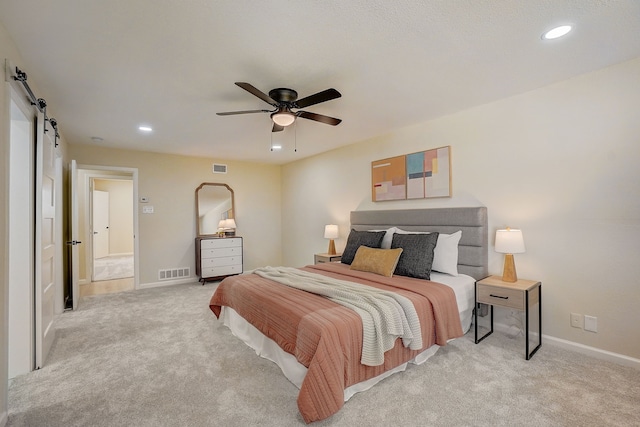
{"x": 218, "y": 257}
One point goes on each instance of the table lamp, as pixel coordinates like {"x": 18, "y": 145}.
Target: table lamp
{"x": 230, "y": 227}
{"x": 331, "y": 232}
{"x": 509, "y": 242}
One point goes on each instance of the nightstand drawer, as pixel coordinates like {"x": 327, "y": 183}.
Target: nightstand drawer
{"x": 513, "y": 298}
{"x": 322, "y": 258}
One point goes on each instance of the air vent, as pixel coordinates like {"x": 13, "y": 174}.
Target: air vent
{"x": 174, "y": 273}
{"x": 218, "y": 168}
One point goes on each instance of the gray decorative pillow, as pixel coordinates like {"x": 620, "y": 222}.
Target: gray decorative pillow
{"x": 371, "y": 239}
{"x": 417, "y": 254}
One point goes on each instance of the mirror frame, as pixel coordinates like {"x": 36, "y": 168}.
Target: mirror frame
{"x": 214, "y": 184}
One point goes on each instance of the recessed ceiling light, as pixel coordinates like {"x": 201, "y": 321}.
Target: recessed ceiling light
{"x": 276, "y": 147}
{"x": 145, "y": 128}
{"x": 556, "y": 32}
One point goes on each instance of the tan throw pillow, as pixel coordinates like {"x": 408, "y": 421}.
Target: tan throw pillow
{"x": 378, "y": 261}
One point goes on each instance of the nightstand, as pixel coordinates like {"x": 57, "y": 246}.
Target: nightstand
{"x": 322, "y": 258}
{"x": 520, "y": 295}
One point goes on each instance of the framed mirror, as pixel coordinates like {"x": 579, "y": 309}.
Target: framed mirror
{"x": 214, "y": 202}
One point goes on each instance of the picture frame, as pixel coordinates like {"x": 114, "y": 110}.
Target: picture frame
{"x": 421, "y": 175}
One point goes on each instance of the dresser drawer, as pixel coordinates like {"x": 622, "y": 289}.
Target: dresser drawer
{"x": 221, "y": 261}
{"x": 228, "y": 242}
{"x": 221, "y": 271}
{"x": 513, "y": 298}
{"x": 222, "y": 252}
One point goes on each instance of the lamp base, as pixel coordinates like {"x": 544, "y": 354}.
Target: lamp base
{"x": 332, "y": 247}
{"x": 509, "y": 272}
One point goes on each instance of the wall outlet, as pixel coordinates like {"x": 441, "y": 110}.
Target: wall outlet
{"x": 577, "y": 320}
{"x": 590, "y": 323}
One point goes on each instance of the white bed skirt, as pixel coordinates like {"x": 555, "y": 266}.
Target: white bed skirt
{"x": 292, "y": 369}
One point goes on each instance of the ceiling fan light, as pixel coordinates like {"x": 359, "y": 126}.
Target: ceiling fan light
{"x": 283, "y": 118}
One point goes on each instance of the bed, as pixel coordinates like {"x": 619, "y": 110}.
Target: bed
{"x": 324, "y": 347}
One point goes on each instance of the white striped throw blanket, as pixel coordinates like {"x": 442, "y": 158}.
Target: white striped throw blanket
{"x": 385, "y": 315}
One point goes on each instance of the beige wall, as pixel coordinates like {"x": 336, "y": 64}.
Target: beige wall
{"x": 167, "y": 236}
{"x": 559, "y": 162}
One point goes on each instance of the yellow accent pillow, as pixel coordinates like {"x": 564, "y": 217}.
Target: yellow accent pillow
{"x": 378, "y": 261}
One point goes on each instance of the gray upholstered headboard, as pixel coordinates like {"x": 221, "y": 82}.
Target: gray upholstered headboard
{"x": 473, "y": 249}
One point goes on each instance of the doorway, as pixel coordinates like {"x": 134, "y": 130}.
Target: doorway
{"x": 107, "y": 222}
{"x": 111, "y": 207}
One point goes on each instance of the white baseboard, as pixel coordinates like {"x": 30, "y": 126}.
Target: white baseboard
{"x": 3, "y": 419}
{"x": 618, "y": 358}
{"x": 167, "y": 283}
{"x": 121, "y": 254}
{"x": 597, "y": 353}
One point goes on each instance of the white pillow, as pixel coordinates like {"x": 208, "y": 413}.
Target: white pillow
{"x": 445, "y": 255}
{"x": 388, "y": 238}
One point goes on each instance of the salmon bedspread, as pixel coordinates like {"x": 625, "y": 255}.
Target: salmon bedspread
{"x": 327, "y": 337}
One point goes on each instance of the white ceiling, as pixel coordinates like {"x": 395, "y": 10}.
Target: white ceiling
{"x": 104, "y": 67}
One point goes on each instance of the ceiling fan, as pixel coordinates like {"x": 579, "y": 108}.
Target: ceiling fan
{"x": 284, "y": 100}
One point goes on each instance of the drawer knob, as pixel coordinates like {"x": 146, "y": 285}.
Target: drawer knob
{"x": 498, "y": 296}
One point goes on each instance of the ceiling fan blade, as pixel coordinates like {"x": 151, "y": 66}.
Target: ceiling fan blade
{"x": 257, "y": 92}
{"x": 231, "y": 113}
{"x": 277, "y": 128}
{"x": 325, "y": 95}
{"x": 319, "y": 118}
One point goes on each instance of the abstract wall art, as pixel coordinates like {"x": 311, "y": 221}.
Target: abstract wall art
{"x": 422, "y": 175}
{"x": 388, "y": 178}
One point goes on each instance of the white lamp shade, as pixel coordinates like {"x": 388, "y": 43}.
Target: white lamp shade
{"x": 331, "y": 231}
{"x": 509, "y": 241}
{"x": 230, "y": 223}
{"x": 221, "y": 224}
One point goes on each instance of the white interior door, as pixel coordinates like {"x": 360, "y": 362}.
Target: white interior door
{"x": 45, "y": 242}
{"x": 100, "y": 221}
{"x": 21, "y": 237}
{"x": 74, "y": 269}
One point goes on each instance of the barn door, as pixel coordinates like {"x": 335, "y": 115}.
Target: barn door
{"x": 45, "y": 241}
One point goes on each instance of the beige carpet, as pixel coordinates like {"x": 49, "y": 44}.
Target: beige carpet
{"x": 158, "y": 357}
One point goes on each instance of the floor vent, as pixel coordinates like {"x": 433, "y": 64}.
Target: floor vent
{"x": 219, "y": 168}
{"x": 174, "y": 273}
